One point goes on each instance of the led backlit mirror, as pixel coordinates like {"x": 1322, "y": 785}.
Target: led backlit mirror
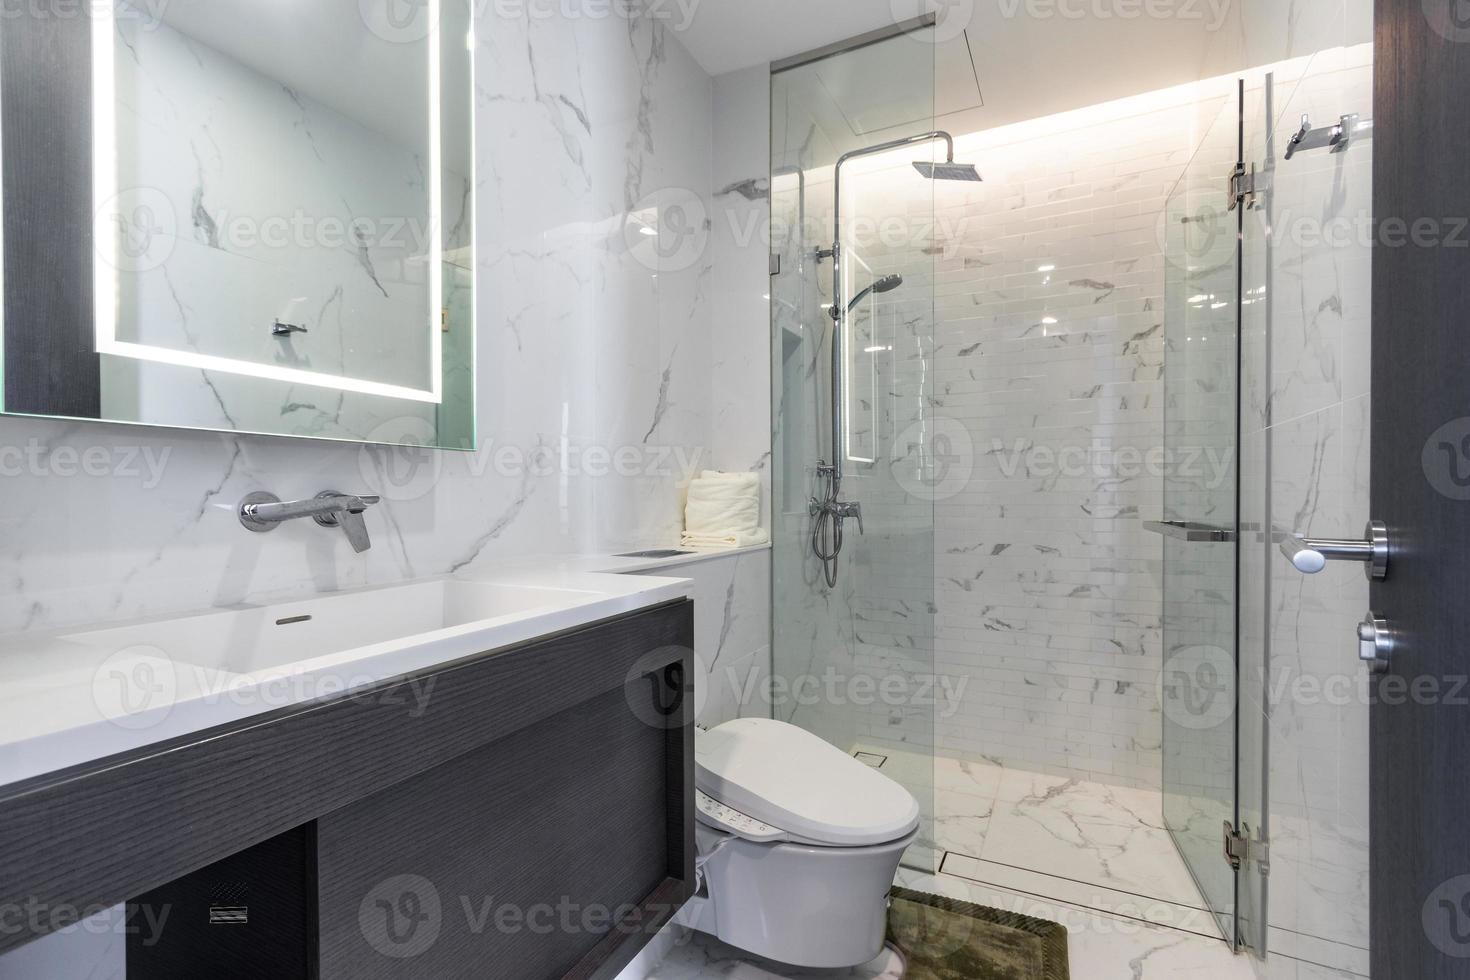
{"x": 243, "y": 215}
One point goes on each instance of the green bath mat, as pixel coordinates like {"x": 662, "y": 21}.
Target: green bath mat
{"x": 944, "y": 939}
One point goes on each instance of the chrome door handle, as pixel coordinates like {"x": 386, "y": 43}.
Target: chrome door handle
{"x": 1375, "y": 643}
{"x": 1311, "y": 555}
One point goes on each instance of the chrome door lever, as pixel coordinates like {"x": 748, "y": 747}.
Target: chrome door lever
{"x": 1311, "y": 555}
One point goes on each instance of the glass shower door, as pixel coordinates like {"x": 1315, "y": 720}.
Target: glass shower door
{"x": 853, "y": 661}
{"x": 1200, "y": 688}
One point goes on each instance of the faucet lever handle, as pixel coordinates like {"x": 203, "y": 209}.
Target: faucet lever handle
{"x": 349, "y": 516}
{"x": 355, "y": 527}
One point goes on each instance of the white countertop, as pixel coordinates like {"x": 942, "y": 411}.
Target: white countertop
{"x": 73, "y": 696}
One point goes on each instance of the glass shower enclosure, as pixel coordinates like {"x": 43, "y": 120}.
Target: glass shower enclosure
{"x": 858, "y": 454}
{"x": 853, "y": 550}
{"x": 1214, "y": 679}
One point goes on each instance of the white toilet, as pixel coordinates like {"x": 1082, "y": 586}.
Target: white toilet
{"x": 798, "y": 844}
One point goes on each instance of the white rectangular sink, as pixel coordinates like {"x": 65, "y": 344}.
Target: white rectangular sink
{"x": 77, "y": 695}
{"x": 296, "y": 634}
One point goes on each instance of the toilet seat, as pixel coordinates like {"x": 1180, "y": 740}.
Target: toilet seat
{"x": 784, "y": 777}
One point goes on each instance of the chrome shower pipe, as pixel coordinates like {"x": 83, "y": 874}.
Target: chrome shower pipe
{"x": 839, "y": 309}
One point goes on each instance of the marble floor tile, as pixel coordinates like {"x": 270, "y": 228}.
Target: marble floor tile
{"x": 1109, "y": 836}
{"x": 961, "y": 822}
{"x": 1119, "y": 904}
{"x": 702, "y": 957}
{"x": 968, "y": 778}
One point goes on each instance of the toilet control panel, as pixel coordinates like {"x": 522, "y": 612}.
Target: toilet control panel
{"x": 721, "y": 817}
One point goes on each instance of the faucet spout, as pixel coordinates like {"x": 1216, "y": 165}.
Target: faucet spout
{"x": 263, "y": 512}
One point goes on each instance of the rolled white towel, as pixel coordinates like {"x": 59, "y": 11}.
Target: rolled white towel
{"x": 751, "y": 481}
{"x": 723, "y": 503}
{"x": 735, "y": 539}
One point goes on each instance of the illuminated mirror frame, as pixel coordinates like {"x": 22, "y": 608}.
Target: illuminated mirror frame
{"x": 106, "y": 267}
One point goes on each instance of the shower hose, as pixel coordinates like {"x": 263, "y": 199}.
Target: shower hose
{"x": 827, "y": 531}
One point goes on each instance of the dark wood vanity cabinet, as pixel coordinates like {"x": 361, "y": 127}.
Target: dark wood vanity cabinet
{"x": 523, "y": 814}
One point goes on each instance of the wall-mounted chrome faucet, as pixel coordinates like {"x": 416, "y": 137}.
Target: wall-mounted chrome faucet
{"x": 263, "y": 512}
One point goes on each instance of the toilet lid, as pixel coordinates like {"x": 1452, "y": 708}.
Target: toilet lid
{"x": 791, "y": 779}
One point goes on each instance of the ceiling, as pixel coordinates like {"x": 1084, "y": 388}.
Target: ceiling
{"x": 995, "y": 63}
{"x": 727, "y": 35}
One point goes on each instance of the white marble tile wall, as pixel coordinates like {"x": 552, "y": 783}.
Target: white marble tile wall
{"x": 1306, "y": 448}
{"x": 740, "y": 307}
{"x": 1049, "y": 279}
{"x": 1304, "y": 465}
{"x": 813, "y": 625}
{"x": 587, "y": 346}
{"x": 732, "y": 635}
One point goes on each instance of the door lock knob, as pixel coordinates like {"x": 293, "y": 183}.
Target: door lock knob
{"x": 1375, "y": 643}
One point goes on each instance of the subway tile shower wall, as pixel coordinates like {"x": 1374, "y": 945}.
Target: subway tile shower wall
{"x": 1046, "y": 344}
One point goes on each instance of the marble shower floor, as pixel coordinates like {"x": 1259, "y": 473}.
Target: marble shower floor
{"x": 1092, "y": 845}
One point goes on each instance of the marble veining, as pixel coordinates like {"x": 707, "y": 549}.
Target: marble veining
{"x": 555, "y": 277}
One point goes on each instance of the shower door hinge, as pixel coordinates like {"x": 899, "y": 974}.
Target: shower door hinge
{"x": 1245, "y": 185}
{"x": 775, "y": 263}
{"x": 1241, "y": 849}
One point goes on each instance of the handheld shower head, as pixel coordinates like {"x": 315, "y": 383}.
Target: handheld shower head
{"x": 884, "y": 285}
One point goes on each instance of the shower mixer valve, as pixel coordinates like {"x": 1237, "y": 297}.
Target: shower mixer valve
{"x": 840, "y": 510}
{"x": 843, "y": 510}
{"x": 829, "y": 513}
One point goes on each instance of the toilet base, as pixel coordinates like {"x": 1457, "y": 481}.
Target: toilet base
{"x": 815, "y": 907}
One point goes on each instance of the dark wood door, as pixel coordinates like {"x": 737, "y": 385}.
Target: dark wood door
{"x": 1420, "y": 755}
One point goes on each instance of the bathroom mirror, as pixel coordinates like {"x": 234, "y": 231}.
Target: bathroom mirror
{"x": 242, "y": 215}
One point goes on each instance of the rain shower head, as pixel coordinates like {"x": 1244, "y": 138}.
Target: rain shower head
{"x": 948, "y": 171}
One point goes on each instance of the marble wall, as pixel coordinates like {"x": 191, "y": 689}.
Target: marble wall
{"x": 597, "y": 365}
{"x": 740, "y": 303}
{"x": 1305, "y": 460}
{"x": 813, "y": 624}
{"x": 732, "y": 628}
{"x": 612, "y": 366}
{"x": 1046, "y": 345}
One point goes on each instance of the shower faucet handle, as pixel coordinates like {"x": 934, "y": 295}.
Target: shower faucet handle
{"x": 846, "y": 510}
